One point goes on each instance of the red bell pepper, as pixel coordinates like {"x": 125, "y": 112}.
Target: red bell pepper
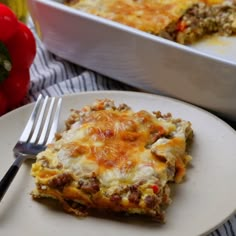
{"x": 17, "y": 52}
{"x": 181, "y": 26}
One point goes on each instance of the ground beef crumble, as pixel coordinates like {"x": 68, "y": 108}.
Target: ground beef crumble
{"x": 202, "y": 20}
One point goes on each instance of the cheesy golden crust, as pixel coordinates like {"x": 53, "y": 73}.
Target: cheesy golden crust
{"x": 113, "y": 158}
{"x": 182, "y": 21}
{"x": 147, "y": 15}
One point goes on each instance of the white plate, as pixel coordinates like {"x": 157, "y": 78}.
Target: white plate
{"x": 200, "y": 204}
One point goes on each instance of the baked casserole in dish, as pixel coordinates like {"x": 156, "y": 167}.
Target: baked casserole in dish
{"x": 172, "y": 56}
{"x": 183, "y": 21}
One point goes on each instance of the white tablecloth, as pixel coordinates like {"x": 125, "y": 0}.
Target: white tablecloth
{"x": 53, "y": 76}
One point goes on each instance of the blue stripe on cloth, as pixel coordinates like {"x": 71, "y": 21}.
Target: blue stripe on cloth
{"x": 53, "y": 76}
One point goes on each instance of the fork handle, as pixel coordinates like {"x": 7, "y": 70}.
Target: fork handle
{"x": 9, "y": 176}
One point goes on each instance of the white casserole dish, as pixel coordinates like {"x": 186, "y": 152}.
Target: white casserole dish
{"x": 203, "y": 74}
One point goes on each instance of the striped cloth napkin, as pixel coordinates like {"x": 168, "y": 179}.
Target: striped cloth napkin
{"x": 54, "y": 76}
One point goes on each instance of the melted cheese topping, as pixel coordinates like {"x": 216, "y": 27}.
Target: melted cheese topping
{"x": 147, "y": 15}
{"x": 117, "y": 148}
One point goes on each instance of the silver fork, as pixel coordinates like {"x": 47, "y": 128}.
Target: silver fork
{"x": 39, "y": 130}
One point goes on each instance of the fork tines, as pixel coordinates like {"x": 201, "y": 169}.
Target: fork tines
{"x": 42, "y": 124}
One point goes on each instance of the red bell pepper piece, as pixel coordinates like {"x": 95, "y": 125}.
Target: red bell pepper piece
{"x": 181, "y": 26}
{"x": 155, "y": 188}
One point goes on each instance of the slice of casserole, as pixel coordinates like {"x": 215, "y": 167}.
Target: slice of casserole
{"x": 183, "y": 21}
{"x": 114, "y": 159}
